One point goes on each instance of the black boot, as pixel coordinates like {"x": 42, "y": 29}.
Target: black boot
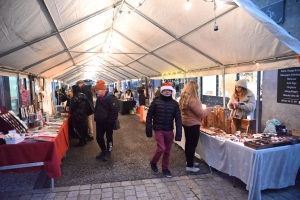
{"x": 107, "y": 156}
{"x": 101, "y": 154}
{"x": 81, "y": 142}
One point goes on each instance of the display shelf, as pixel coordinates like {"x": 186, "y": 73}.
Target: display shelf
{"x": 9, "y": 121}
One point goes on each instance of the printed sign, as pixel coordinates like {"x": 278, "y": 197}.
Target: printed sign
{"x": 288, "y": 86}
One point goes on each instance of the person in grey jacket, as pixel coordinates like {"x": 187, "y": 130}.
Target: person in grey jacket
{"x": 161, "y": 114}
{"x": 242, "y": 102}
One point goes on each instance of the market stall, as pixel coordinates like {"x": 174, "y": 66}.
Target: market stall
{"x": 126, "y": 106}
{"x": 43, "y": 148}
{"x": 275, "y": 167}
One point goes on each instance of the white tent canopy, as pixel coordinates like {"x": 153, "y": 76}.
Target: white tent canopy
{"x": 71, "y": 40}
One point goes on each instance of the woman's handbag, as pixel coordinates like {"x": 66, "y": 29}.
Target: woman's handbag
{"x": 117, "y": 125}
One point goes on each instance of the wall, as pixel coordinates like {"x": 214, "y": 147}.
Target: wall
{"x": 285, "y": 113}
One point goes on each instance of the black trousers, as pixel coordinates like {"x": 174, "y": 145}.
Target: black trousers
{"x": 191, "y": 140}
{"x": 101, "y": 130}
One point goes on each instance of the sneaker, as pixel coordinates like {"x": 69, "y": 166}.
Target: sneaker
{"x": 167, "y": 173}
{"x": 195, "y": 164}
{"x": 101, "y": 155}
{"x": 107, "y": 156}
{"x": 153, "y": 167}
{"x": 192, "y": 169}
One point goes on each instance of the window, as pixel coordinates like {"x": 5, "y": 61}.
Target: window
{"x": 251, "y": 78}
{"x": 13, "y": 86}
{"x": 230, "y": 80}
{"x": 209, "y": 85}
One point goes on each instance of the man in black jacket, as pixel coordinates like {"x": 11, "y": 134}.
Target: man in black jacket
{"x": 88, "y": 93}
{"x": 162, "y": 112}
{"x": 106, "y": 113}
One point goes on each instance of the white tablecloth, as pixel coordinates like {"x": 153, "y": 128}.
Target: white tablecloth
{"x": 260, "y": 169}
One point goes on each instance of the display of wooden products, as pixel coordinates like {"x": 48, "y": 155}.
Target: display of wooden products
{"x": 217, "y": 118}
{"x": 247, "y": 126}
{"x": 271, "y": 142}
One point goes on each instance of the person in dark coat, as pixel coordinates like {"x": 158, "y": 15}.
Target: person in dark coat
{"x": 162, "y": 111}
{"x": 58, "y": 95}
{"x": 78, "y": 115}
{"x": 142, "y": 96}
{"x": 85, "y": 89}
{"x": 106, "y": 113}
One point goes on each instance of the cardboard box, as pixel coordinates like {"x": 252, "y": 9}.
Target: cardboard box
{"x": 15, "y": 141}
{"x": 295, "y": 132}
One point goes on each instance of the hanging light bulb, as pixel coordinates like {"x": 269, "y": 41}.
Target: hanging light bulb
{"x": 128, "y": 14}
{"x": 119, "y": 13}
{"x": 187, "y": 4}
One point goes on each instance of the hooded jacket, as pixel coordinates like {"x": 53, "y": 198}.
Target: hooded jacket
{"x": 106, "y": 110}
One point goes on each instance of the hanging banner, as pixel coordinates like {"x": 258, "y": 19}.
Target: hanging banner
{"x": 288, "y": 86}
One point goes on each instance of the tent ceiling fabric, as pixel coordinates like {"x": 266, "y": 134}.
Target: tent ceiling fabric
{"x": 71, "y": 40}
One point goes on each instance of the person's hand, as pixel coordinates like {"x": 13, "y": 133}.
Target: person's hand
{"x": 236, "y": 104}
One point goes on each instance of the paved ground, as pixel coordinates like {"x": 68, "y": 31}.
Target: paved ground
{"x": 206, "y": 186}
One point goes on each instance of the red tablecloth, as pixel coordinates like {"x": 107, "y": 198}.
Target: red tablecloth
{"x": 50, "y": 153}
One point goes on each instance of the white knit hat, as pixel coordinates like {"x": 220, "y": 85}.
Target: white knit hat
{"x": 166, "y": 86}
{"x": 241, "y": 83}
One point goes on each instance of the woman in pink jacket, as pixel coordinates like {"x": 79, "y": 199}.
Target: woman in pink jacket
{"x": 191, "y": 114}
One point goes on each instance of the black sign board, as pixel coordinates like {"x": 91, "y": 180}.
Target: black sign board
{"x": 275, "y": 11}
{"x": 288, "y": 86}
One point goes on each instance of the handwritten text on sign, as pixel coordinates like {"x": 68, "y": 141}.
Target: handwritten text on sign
{"x": 288, "y": 86}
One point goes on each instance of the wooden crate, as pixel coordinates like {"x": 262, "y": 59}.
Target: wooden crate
{"x": 247, "y": 126}
{"x": 220, "y": 117}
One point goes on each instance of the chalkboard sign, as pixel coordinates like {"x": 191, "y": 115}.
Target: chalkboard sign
{"x": 275, "y": 11}
{"x": 288, "y": 86}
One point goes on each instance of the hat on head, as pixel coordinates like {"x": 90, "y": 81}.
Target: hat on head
{"x": 100, "y": 85}
{"x": 241, "y": 83}
{"x": 79, "y": 82}
{"x": 166, "y": 86}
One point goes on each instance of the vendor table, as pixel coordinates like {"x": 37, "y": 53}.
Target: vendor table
{"x": 24, "y": 157}
{"x": 125, "y": 106}
{"x": 271, "y": 168}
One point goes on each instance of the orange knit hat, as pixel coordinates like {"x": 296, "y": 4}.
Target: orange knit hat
{"x": 100, "y": 85}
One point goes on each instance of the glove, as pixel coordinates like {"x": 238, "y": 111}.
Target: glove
{"x": 149, "y": 135}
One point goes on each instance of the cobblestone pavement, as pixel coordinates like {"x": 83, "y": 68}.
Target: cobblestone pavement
{"x": 216, "y": 186}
